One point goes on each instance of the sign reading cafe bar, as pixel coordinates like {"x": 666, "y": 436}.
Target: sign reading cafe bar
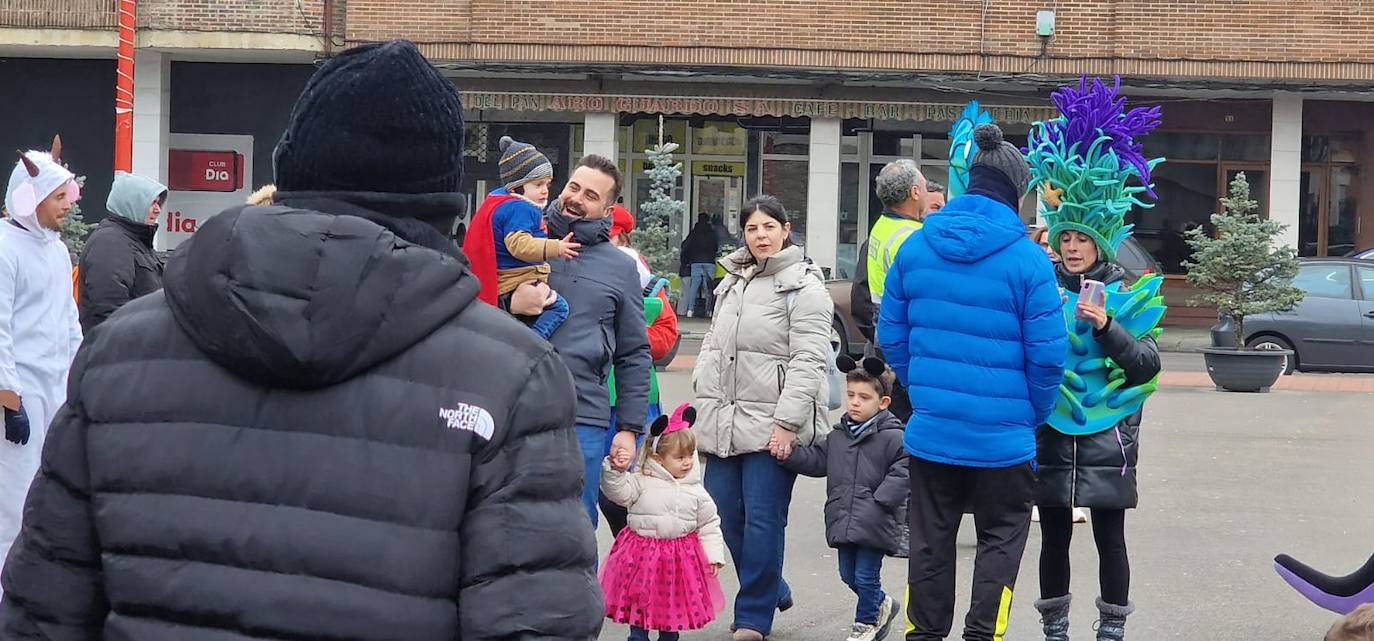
{"x": 794, "y": 107}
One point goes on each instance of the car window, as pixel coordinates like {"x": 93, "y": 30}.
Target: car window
{"x": 1129, "y": 256}
{"x": 1367, "y": 282}
{"x": 1324, "y": 280}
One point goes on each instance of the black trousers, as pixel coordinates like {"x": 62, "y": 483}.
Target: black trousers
{"x": 901, "y": 401}
{"x": 1001, "y": 500}
{"x": 1109, "y": 532}
{"x": 616, "y": 516}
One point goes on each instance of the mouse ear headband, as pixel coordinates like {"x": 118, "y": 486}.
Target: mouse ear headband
{"x": 683, "y": 417}
{"x": 872, "y": 365}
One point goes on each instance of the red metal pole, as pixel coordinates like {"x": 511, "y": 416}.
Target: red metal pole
{"x": 124, "y": 88}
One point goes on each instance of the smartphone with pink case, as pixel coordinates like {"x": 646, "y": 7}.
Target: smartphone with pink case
{"x": 1093, "y": 293}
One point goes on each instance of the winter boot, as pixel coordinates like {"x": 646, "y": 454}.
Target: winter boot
{"x": 1054, "y": 615}
{"x": 1112, "y": 625}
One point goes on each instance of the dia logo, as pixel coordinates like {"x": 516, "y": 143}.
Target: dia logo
{"x": 178, "y": 222}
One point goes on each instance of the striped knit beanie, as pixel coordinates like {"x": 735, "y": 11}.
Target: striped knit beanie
{"x": 521, "y": 163}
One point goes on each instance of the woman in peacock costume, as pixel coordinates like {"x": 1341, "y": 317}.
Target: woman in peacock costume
{"x": 1089, "y": 167}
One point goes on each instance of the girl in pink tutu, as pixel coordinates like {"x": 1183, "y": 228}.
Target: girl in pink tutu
{"x": 661, "y": 573}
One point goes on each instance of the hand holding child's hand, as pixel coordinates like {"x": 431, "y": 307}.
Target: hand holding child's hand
{"x": 620, "y": 460}
{"x": 782, "y": 441}
{"x": 779, "y": 452}
{"x": 567, "y": 248}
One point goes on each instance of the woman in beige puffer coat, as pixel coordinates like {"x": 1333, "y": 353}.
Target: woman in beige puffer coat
{"x": 760, "y": 386}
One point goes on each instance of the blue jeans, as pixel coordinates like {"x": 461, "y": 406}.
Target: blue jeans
{"x": 861, "y": 568}
{"x": 700, "y": 283}
{"x": 548, "y": 322}
{"x": 753, "y": 493}
{"x": 640, "y": 634}
{"x": 592, "y": 441}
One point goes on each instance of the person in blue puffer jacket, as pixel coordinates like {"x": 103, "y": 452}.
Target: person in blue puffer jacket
{"x": 971, "y": 322}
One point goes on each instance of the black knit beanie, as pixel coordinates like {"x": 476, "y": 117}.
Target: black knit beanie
{"x": 1001, "y": 155}
{"x": 521, "y": 163}
{"x": 376, "y": 118}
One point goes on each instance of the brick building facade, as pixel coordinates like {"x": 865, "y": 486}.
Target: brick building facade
{"x": 806, "y": 100}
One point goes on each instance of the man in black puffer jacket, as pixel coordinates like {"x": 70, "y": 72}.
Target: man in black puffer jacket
{"x": 315, "y": 431}
{"x": 118, "y": 263}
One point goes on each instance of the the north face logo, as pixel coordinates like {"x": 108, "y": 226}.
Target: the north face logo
{"x": 469, "y": 418}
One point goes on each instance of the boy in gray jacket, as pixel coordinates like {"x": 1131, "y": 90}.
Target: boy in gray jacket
{"x": 866, "y": 469}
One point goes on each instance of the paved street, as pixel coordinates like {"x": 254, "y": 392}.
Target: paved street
{"x": 1227, "y": 481}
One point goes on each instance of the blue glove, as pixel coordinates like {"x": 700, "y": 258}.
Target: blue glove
{"x": 17, "y": 426}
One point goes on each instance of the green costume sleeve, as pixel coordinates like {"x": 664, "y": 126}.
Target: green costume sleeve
{"x": 653, "y": 307}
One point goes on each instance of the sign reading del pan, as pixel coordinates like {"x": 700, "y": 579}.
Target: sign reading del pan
{"x": 206, "y": 174}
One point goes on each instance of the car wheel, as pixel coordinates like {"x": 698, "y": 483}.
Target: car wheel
{"x": 838, "y": 336}
{"x": 1274, "y": 342}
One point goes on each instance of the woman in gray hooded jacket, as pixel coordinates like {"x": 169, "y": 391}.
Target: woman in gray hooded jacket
{"x": 761, "y": 389}
{"x": 119, "y": 264}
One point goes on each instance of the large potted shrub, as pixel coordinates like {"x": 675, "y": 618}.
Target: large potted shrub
{"x": 1243, "y": 272}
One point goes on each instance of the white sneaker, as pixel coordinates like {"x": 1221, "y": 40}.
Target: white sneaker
{"x": 887, "y": 613}
{"x": 863, "y": 632}
{"x": 1079, "y": 516}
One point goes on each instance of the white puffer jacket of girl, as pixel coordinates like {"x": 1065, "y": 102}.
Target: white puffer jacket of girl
{"x": 662, "y": 507}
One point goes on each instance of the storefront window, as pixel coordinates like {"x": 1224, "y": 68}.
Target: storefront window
{"x": 1187, "y": 200}
{"x": 579, "y": 140}
{"x": 482, "y": 154}
{"x": 892, "y": 143}
{"x": 1330, "y": 149}
{"x": 1183, "y": 146}
{"x": 1328, "y": 197}
{"x": 786, "y": 144}
{"x": 642, "y": 187}
{"x": 1194, "y": 176}
{"x": 786, "y": 180}
{"x": 1343, "y": 221}
{"x": 720, "y": 139}
{"x": 849, "y": 233}
{"x": 646, "y": 134}
{"x": 934, "y": 148}
{"x": 1254, "y": 148}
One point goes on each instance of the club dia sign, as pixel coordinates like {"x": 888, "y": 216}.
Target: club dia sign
{"x": 200, "y": 170}
{"x": 709, "y": 106}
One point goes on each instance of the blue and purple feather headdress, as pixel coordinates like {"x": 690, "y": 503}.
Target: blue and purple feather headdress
{"x": 1090, "y": 165}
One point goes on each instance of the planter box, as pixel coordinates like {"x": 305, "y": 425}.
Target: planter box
{"x": 1244, "y": 370}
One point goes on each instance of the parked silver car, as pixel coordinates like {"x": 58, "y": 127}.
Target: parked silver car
{"x": 1332, "y": 329}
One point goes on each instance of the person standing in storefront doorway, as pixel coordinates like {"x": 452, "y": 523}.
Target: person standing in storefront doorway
{"x": 699, "y": 251}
